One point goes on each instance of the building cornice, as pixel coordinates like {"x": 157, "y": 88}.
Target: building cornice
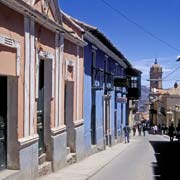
{"x": 27, "y": 10}
{"x": 74, "y": 39}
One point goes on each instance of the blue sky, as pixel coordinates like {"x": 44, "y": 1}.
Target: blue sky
{"x": 159, "y": 17}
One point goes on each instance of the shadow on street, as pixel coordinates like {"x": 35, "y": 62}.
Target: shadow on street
{"x": 167, "y": 155}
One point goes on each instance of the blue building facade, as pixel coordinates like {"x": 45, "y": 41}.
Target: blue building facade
{"x": 104, "y": 103}
{"x": 109, "y": 84}
{"x": 93, "y": 99}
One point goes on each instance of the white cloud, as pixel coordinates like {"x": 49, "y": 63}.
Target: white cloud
{"x": 168, "y": 65}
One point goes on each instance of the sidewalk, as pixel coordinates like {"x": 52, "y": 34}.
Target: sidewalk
{"x": 86, "y": 168}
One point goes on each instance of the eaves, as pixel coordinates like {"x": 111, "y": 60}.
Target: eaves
{"x": 105, "y": 49}
{"x": 27, "y": 10}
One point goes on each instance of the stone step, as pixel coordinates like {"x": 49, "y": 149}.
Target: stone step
{"x": 94, "y": 149}
{"x": 42, "y": 158}
{"x": 68, "y": 150}
{"x": 71, "y": 158}
{"x": 44, "y": 169}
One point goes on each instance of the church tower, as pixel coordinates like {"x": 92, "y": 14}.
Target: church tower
{"x": 155, "y": 76}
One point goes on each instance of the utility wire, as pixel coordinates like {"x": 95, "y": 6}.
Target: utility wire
{"x": 165, "y": 78}
{"x": 145, "y": 31}
{"x": 139, "y": 26}
{"x": 171, "y": 73}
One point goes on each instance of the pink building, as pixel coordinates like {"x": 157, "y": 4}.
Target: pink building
{"x": 41, "y": 94}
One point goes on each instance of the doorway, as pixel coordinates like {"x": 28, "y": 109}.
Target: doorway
{"x": 68, "y": 115}
{"x": 3, "y": 122}
{"x": 40, "y": 108}
{"x": 93, "y": 118}
{"x": 115, "y": 124}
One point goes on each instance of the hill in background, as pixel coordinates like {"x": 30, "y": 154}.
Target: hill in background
{"x": 144, "y": 99}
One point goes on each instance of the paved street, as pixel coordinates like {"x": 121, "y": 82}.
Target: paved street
{"x": 148, "y": 158}
{"x": 151, "y": 157}
{"x": 133, "y": 164}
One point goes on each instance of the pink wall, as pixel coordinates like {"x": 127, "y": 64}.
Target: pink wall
{"x": 12, "y": 26}
{"x": 46, "y": 42}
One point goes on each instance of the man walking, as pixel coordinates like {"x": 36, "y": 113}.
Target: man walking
{"x": 171, "y": 132}
{"x": 126, "y": 133}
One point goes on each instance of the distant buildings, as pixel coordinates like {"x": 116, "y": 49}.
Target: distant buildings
{"x": 65, "y": 89}
{"x": 164, "y": 103}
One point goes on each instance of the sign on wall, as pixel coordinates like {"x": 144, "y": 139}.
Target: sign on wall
{"x": 121, "y": 99}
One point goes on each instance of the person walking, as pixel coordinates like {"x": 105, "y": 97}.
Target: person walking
{"x": 139, "y": 129}
{"x": 134, "y": 130}
{"x": 163, "y": 129}
{"x": 155, "y": 129}
{"x": 171, "y": 132}
{"x": 144, "y": 129}
{"x": 178, "y": 132}
{"x": 126, "y": 133}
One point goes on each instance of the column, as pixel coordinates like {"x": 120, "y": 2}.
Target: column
{"x": 57, "y": 79}
{"x": 77, "y": 84}
{"x": 32, "y": 77}
{"x": 60, "y": 76}
{"x": 26, "y": 75}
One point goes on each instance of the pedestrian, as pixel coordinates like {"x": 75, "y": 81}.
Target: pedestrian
{"x": 126, "y": 133}
{"x": 144, "y": 129}
{"x": 171, "y": 132}
{"x": 163, "y": 129}
{"x": 178, "y": 132}
{"x": 155, "y": 129}
{"x": 134, "y": 130}
{"x": 139, "y": 129}
{"x": 159, "y": 128}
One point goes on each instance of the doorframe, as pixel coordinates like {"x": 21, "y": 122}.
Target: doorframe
{"x": 46, "y": 56}
{"x": 107, "y": 124}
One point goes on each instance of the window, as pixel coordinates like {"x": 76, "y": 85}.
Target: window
{"x": 134, "y": 82}
{"x": 109, "y": 81}
{"x": 97, "y": 73}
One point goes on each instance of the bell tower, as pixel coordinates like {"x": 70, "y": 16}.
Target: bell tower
{"x": 155, "y": 76}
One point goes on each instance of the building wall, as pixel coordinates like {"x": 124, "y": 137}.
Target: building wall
{"x": 7, "y": 28}
{"x": 88, "y": 100}
{"x": 100, "y": 99}
{"x": 73, "y": 54}
{"x": 39, "y": 42}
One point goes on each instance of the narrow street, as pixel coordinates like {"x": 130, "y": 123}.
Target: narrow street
{"x": 151, "y": 157}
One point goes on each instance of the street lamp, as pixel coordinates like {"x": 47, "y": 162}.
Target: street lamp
{"x": 178, "y": 58}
